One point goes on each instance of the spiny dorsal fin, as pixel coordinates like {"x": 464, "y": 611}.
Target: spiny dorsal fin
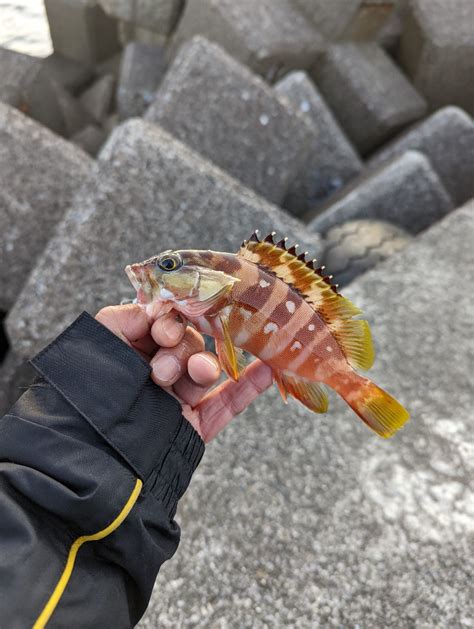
{"x": 316, "y": 288}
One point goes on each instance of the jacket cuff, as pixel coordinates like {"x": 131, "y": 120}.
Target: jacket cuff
{"x": 109, "y": 384}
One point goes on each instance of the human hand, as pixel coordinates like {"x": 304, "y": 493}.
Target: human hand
{"x": 180, "y": 365}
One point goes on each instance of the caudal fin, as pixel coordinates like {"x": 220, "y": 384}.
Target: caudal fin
{"x": 379, "y": 410}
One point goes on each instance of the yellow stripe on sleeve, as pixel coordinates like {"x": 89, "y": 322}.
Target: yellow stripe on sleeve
{"x": 61, "y": 585}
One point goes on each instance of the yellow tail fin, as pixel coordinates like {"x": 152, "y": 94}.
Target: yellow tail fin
{"x": 379, "y": 410}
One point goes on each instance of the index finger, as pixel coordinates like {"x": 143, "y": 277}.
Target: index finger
{"x": 229, "y": 399}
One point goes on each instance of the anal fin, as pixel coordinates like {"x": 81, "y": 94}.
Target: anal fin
{"x": 312, "y": 394}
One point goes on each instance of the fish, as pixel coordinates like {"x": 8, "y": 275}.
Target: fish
{"x": 271, "y": 302}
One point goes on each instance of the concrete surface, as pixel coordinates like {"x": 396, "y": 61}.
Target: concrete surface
{"x": 347, "y": 76}
{"x": 81, "y": 30}
{"x": 231, "y": 116}
{"x": 159, "y": 16}
{"x": 332, "y": 160}
{"x": 447, "y": 139}
{"x": 39, "y": 174}
{"x": 284, "y": 40}
{"x": 437, "y": 51}
{"x": 142, "y": 68}
{"x": 297, "y": 520}
{"x": 406, "y": 192}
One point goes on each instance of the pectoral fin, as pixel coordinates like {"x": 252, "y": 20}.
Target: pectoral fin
{"x": 230, "y": 357}
{"x": 312, "y": 394}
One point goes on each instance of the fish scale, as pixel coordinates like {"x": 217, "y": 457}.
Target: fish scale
{"x": 271, "y": 302}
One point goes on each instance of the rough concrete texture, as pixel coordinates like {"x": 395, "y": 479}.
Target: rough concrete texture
{"x": 347, "y": 75}
{"x": 71, "y": 74}
{"x": 356, "y": 246}
{"x": 370, "y": 18}
{"x": 26, "y": 84}
{"x": 221, "y": 109}
{"x": 447, "y": 138}
{"x": 148, "y": 193}
{"x": 81, "y": 30}
{"x": 15, "y": 376}
{"x": 159, "y": 16}
{"x": 283, "y": 41}
{"x": 143, "y": 66}
{"x": 332, "y": 160}
{"x": 97, "y": 99}
{"x": 39, "y": 173}
{"x": 437, "y": 51}
{"x": 330, "y": 18}
{"x": 297, "y": 520}
{"x": 74, "y": 115}
{"x": 90, "y": 139}
{"x": 406, "y": 192}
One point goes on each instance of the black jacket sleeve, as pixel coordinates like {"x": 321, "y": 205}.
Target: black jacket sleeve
{"x": 93, "y": 460}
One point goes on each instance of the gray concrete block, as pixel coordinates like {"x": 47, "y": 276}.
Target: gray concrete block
{"x": 39, "y": 173}
{"x": 406, "y": 192}
{"x": 347, "y": 76}
{"x": 143, "y": 66}
{"x": 97, "y": 99}
{"x": 148, "y": 192}
{"x": 357, "y": 246}
{"x": 159, "y": 16}
{"x": 221, "y": 109}
{"x": 90, "y": 139}
{"x": 283, "y": 40}
{"x": 71, "y": 74}
{"x": 369, "y": 19}
{"x": 330, "y": 18}
{"x": 437, "y": 51}
{"x": 81, "y": 30}
{"x": 74, "y": 115}
{"x": 15, "y": 376}
{"x": 447, "y": 139}
{"x": 332, "y": 160}
{"x": 26, "y": 84}
{"x": 293, "y": 520}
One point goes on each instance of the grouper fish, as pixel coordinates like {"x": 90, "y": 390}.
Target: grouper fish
{"x": 272, "y": 303}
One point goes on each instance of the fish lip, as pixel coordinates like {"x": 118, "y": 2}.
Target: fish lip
{"x": 132, "y": 277}
{"x": 140, "y": 284}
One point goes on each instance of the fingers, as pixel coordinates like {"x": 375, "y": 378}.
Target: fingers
{"x": 129, "y": 322}
{"x": 229, "y": 399}
{"x": 170, "y": 363}
{"x": 169, "y": 329}
{"x": 203, "y": 372}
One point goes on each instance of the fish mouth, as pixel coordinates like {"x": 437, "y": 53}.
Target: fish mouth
{"x": 138, "y": 277}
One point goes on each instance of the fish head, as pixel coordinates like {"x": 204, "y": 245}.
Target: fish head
{"x": 188, "y": 279}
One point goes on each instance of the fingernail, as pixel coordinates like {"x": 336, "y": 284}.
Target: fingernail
{"x": 166, "y": 368}
{"x": 174, "y": 330}
{"x": 212, "y": 362}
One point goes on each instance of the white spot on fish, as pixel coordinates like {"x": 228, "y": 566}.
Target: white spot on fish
{"x": 329, "y": 348}
{"x": 296, "y": 345}
{"x": 310, "y": 327}
{"x": 166, "y": 294}
{"x": 270, "y": 327}
{"x": 290, "y": 306}
{"x": 241, "y": 338}
{"x": 264, "y": 120}
{"x": 264, "y": 284}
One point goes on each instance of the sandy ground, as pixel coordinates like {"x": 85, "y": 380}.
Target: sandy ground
{"x": 23, "y": 27}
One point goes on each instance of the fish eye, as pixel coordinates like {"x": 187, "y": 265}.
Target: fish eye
{"x": 169, "y": 262}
